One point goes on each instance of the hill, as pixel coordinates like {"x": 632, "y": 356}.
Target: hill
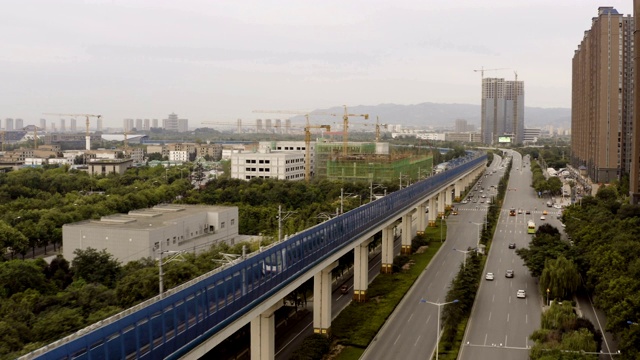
{"x": 438, "y": 116}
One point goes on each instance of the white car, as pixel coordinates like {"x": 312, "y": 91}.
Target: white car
{"x": 542, "y": 217}
{"x": 489, "y": 276}
{"x": 521, "y": 294}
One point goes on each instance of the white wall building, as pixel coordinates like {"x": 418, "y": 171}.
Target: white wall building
{"x": 179, "y": 156}
{"x": 267, "y": 164}
{"x": 146, "y": 232}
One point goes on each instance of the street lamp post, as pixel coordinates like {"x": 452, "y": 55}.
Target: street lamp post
{"x": 479, "y": 233}
{"x": 464, "y": 263}
{"x": 547, "y": 296}
{"x": 438, "y": 329}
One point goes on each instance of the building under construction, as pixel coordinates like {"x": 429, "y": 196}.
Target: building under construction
{"x": 370, "y": 162}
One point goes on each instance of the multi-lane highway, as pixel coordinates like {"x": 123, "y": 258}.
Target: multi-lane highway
{"x": 501, "y": 323}
{"x": 410, "y": 332}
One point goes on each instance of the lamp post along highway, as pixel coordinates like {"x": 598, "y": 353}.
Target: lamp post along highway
{"x": 464, "y": 263}
{"x": 438, "y": 328}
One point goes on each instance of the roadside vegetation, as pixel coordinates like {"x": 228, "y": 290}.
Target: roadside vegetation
{"x": 599, "y": 256}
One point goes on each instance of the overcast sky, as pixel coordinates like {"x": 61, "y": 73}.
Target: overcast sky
{"x": 219, "y": 60}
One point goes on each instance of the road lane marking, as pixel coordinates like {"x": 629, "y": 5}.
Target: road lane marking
{"x": 485, "y": 338}
{"x": 509, "y": 299}
{"x": 493, "y": 299}
{"x": 410, "y": 317}
{"x": 505, "y": 340}
{"x": 489, "y": 315}
{"x": 416, "y": 343}
{"x": 526, "y": 318}
{"x": 508, "y": 317}
{"x": 428, "y": 319}
{"x": 398, "y": 338}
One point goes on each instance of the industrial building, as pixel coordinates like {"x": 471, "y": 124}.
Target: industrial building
{"x": 147, "y": 232}
{"x": 268, "y": 164}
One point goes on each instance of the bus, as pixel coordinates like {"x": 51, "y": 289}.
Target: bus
{"x": 531, "y": 227}
{"x": 512, "y": 212}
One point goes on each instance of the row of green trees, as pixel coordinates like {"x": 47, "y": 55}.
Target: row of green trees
{"x": 601, "y": 255}
{"x": 543, "y": 185}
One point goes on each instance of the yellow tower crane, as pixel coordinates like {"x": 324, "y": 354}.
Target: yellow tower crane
{"x": 307, "y": 134}
{"x": 482, "y": 70}
{"x": 87, "y": 116}
{"x": 345, "y": 129}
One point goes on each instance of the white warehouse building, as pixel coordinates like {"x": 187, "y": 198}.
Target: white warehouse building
{"x": 267, "y": 164}
{"x": 146, "y": 232}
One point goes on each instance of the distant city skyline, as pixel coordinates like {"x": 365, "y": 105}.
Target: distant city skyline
{"x": 218, "y": 61}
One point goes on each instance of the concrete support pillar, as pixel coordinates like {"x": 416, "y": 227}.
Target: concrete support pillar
{"x": 322, "y": 300}
{"x": 387, "y": 250}
{"x": 263, "y": 334}
{"x": 458, "y": 188}
{"x": 407, "y": 234}
{"x": 361, "y": 271}
{"x": 448, "y": 199}
{"x": 421, "y": 213}
{"x": 441, "y": 202}
{"x": 433, "y": 212}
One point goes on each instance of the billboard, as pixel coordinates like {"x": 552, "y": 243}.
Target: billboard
{"x": 504, "y": 139}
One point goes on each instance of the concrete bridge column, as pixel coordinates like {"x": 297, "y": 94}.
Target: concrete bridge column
{"x": 441, "y": 202}
{"x": 387, "y": 250}
{"x": 263, "y": 334}
{"x": 433, "y": 212}
{"x": 361, "y": 271}
{"x": 448, "y": 199}
{"x": 322, "y": 300}
{"x": 458, "y": 188}
{"x": 420, "y": 211}
{"x": 407, "y": 234}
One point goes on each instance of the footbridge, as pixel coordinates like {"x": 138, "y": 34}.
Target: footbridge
{"x": 191, "y": 319}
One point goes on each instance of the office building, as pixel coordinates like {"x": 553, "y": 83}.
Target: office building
{"x": 602, "y": 99}
{"x": 19, "y": 124}
{"x": 174, "y": 124}
{"x": 265, "y": 164}
{"x": 502, "y": 111}
{"x": 461, "y": 126}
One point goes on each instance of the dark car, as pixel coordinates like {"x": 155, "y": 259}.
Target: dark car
{"x": 512, "y": 245}
{"x": 509, "y": 274}
{"x": 344, "y": 289}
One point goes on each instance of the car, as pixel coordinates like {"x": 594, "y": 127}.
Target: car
{"x": 528, "y": 212}
{"x": 454, "y": 212}
{"x": 344, "y": 289}
{"x": 512, "y": 245}
{"x": 521, "y": 294}
{"x": 519, "y": 211}
{"x": 481, "y": 201}
{"x": 542, "y": 217}
{"x": 465, "y": 201}
{"x": 509, "y": 274}
{"x": 484, "y": 196}
{"x": 489, "y": 276}
{"x": 545, "y": 212}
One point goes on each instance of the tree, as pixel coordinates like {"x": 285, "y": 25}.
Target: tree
{"x": 95, "y": 266}
{"x": 560, "y": 276}
{"x": 19, "y": 275}
{"x": 57, "y": 323}
{"x": 543, "y": 246}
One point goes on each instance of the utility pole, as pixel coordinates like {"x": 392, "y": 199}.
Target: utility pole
{"x": 281, "y": 217}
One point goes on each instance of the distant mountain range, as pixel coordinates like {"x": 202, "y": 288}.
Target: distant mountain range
{"x": 443, "y": 116}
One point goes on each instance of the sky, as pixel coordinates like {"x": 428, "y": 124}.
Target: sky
{"x": 218, "y": 60}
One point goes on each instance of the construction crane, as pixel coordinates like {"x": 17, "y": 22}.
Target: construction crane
{"x": 345, "y": 128}
{"x": 87, "y": 116}
{"x": 307, "y": 135}
{"x": 482, "y": 70}
{"x": 377, "y": 126}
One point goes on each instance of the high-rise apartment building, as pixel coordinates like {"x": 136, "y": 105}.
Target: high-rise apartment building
{"x": 175, "y": 124}
{"x": 72, "y": 125}
{"x": 154, "y": 123}
{"x": 602, "y": 98}
{"x": 145, "y": 126}
{"x": 461, "y": 126}
{"x": 138, "y": 124}
{"x": 63, "y": 127}
{"x": 43, "y": 124}
{"x": 19, "y": 124}
{"x": 502, "y": 110}
{"x": 8, "y": 124}
{"x": 127, "y": 125}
